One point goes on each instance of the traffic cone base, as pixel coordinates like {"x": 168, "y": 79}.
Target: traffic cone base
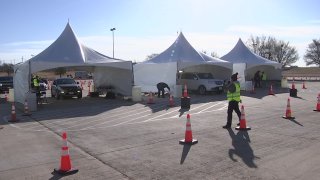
{"x": 316, "y": 110}
{"x": 243, "y": 128}
{"x": 291, "y": 118}
{"x": 183, "y": 141}
{"x": 72, "y": 171}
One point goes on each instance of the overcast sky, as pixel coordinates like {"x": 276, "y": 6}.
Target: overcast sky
{"x": 144, "y": 27}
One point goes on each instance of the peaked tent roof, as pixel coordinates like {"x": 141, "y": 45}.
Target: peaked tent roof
{"x": 182, "y": 51}
{"x": 242, "y": 54}
{"x": 67, "y": 49}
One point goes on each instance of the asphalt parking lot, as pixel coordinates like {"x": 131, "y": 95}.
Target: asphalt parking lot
{"x": 118, "y": 139}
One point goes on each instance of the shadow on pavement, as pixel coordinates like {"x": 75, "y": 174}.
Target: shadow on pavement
{"x": 242, "y": 148}
{"x": 185, "y": 151}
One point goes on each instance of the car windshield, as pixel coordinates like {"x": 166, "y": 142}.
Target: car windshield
{"x": 66, "y": 81}
{"x": 205, "y": 75}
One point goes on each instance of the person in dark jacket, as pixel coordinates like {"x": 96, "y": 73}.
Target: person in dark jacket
{"x": 233, "y": 96}
{"x": 161, "y": 87}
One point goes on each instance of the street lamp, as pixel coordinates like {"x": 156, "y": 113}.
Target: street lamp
{"x": 113, "y": 29}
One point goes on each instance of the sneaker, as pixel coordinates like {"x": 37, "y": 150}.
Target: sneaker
{"x": 226, "y": 127}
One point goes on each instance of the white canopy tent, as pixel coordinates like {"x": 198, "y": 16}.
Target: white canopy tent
{"x": 66, "y": 51}
{"x": 246, "y": 63}
{"x": 180, "y": 56}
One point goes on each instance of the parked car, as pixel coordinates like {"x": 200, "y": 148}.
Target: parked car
{"x": 6, "y": 82}
{"x": 65, "y": 87}
{"x": 201, "y": 82}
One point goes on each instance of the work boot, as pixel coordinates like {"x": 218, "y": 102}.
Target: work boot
{"x": 226, "y": 127}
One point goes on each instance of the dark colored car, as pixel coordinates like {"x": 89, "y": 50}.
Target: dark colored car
{"x": 6, "y": 82}
{"x": 65, "y": 87}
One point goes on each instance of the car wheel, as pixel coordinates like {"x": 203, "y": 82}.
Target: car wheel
{"x": 202, "y": 90}
{"x": 79, "y": 96}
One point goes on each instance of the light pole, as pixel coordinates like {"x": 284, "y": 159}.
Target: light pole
{"x": 113, "y": 29}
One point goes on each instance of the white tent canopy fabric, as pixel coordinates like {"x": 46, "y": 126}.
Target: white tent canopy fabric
{"x": 66, "y": 51}
{"x": 180, "y": 56}
{"x": 241, "y": 54}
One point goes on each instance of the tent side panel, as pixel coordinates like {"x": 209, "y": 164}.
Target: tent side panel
{"x": 21, "y": 82}
{"x": 148, "y": 75}
{"x": 120, "y": 79}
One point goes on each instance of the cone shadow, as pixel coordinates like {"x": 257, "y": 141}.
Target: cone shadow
{"x": 185, "y": 151}
{"x": 293, "y": 120}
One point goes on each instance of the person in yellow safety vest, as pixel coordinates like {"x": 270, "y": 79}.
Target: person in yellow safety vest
{"x": 36, "y": 84}
{"x": 233, "y": 96}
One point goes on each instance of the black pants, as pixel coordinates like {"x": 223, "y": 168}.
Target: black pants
{"x": 233, "y": 106}
{"x": 162, "y": 93}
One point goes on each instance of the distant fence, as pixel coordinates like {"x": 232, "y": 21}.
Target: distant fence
{"x": 303, "y": 78}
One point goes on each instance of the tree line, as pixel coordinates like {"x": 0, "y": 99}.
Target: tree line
{"x": 277, "y": 50}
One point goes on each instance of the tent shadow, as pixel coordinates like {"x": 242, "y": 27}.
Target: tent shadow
{"x": 241, "y": 148}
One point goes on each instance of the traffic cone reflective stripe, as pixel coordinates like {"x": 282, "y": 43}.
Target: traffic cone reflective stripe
{"x": 150, "y": 99}
{"x": 288, "y": 111}
{"x": 318, "y": 104}
{"x": 271, "y": 90}
{"x": 171, "y": 101}
{"x": 65, "y": 160}
{"x": 188, "y": 134}
{"x": 26, "y": 108}
{"x": 185, "y": 91}
{"x": 13, "y": 114}
{"x": 243, "y": 123}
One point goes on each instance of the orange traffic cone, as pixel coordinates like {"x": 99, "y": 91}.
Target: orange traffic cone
{"x": 13, "y": 114}
{"x": 293, "y": 86}
{"x": 171, "y": 101}
{"x": 65, "y": 161}
{"x": 288, "y": 111}
{"x": 243, "y": 123}
{"x": 271, "y": 90}
{"x": 26, "y": 109}
{"x": 185, "y": 91}
{"x": 150, "y": 99}
{"x": 303, "y": 85}
{"x": 318, "y": 104}
{"x": 188, "y": 135}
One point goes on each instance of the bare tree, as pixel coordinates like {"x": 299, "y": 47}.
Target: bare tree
{"x": 60, "y": 71}
{"x": 273, "y": 49}
{"x": 151, "y": 56}
{"x": 8, "y": 68}
{"x": 312, "y": 55}
{"x": 214, "y": 54}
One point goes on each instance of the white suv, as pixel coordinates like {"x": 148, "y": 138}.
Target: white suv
{"x": 201, "y": 82}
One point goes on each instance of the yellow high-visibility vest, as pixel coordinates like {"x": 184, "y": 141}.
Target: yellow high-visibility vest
{"x": 236, "y": 95}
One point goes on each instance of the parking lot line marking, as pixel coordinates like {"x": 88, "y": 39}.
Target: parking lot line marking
{"x": 210, "y": 107}
{"x": 130, "y": 114}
